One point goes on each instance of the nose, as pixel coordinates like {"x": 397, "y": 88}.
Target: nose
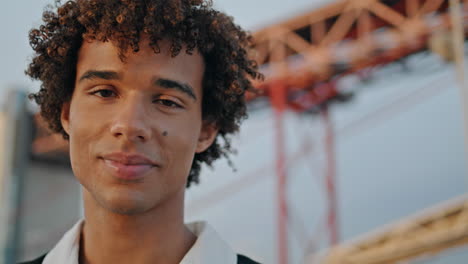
{"x": 130, "y": 121}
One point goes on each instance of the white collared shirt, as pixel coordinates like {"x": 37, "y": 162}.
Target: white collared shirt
{"x": 208, "y": 248}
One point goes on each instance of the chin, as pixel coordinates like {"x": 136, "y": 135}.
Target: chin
{"x": 130, "y": 204}
{"x": 127, "y": 210}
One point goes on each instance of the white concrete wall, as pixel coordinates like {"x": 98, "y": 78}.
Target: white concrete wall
{"x": 51, "y": 205}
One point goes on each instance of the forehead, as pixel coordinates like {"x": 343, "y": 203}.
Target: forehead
{"x": 98, "y": 55}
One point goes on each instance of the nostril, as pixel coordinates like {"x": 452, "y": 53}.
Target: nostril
{"x": 131, "y": 129}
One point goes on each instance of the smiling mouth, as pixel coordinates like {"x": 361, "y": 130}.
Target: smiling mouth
{"x": 127, "y": 166}
{"x": 127, "y": 171}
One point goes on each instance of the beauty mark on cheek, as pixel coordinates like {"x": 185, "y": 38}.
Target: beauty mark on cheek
{"x": 164, "y": 133}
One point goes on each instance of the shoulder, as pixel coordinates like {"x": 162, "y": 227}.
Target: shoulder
{"x": 36, "y": 261}
{"x": 241, "y": 259}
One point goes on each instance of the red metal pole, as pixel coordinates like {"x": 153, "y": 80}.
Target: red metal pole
{"x": 330, "y": 179}
{"x": 278, "y": 99}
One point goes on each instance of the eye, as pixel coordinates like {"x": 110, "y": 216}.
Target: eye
{"x": 168, "y": 103}
{"x": 104, "y": 93}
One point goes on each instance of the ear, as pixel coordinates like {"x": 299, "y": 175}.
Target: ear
{"x": 208, "y": 133}
{"x": 65, "y": 117}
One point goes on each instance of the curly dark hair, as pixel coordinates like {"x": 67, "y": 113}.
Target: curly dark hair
{"x": 194, "y": 24}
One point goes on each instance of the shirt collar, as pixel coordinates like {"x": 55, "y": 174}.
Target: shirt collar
{"x": 208, "y": 248}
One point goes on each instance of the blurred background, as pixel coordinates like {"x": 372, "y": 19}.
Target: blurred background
{"x": 355, "y": 152}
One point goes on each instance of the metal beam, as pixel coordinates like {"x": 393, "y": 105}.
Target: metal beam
{"x": 430, "y": 232}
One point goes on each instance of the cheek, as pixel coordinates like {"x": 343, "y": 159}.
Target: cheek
{"x": 181, "y": 143}
{"x": 83, "y": 131}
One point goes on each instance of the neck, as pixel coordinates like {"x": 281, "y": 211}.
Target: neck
{"x": 156, "y": 236}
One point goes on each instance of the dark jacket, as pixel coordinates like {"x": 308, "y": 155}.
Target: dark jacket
{"x": 241, "y": 259}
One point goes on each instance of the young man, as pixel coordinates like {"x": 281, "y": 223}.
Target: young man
{"x": 144, "y": 91}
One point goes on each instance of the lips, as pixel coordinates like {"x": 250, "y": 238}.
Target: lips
{"x": 128, "y": 166}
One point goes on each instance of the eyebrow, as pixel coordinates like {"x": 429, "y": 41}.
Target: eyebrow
{"x": 94, "y": 74}
{"x": 162, "y": 82}
{"x": 172, "y": 84}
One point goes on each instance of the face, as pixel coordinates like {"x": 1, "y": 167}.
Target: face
{"x": 134, "y": 126}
